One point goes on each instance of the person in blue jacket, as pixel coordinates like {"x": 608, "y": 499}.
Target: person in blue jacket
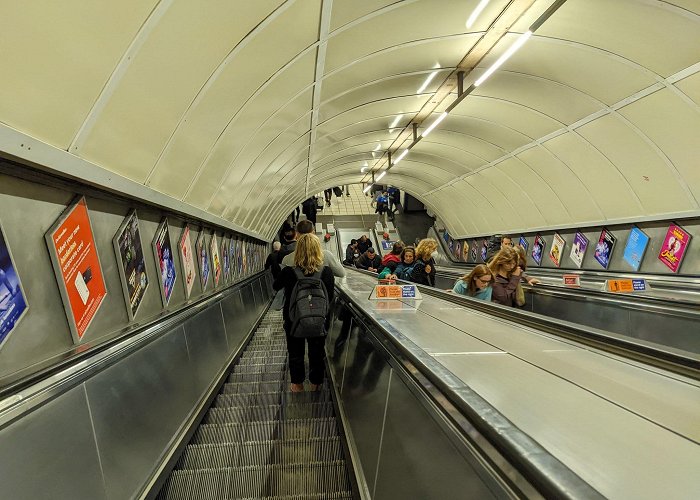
{"x": 476, "y": 284}
{"x": 405, "y": 268}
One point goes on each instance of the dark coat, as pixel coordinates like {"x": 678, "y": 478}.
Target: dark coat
{"x": 504, "y": 290}
{"x": 288, "y": 278}
{"x": 273, "y": 264}
{"x": 362, "y": 246}
{"x": 364, "y": 262}
{"x": 350, "y": 255}
{"x": 420, "y": 275}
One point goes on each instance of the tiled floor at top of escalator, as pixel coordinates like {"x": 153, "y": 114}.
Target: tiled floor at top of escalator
{"x": 259, "y": 440}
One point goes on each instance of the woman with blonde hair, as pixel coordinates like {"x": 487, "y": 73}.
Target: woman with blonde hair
{"x": 476, "y": 284}
{"x": 506, "y": 272}
{"x": 424, "y": 270}
{"x": 308, "y": 270}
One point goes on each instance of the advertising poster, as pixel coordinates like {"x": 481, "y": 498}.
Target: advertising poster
{"x": 387, "y": 245}
{"x": 239, "y": 258}
{"x": 538, "y": 249}
{"x": 484, "y": 250}
{"x": 634, "y": 249}
{"x": 244, "y": 257}
{"x": 13, "y": 305}
{"x": 557, "y": 249}
{"x": 451, "y": 246}
{"x": 224, "y": 258}
{"x": 131, "y": 263}
{"x": 165, "y": 261}
{"x": 474, "y": 252}
{"x": 232, "y": 259}
{"x": 604, "y": 248}
{"x": 202, "y": 260}
{"x": 674, "y": 247}
{"x": 523, "y": 244}
{"x": 465, "y": 251}
{"x": 215, "y": 259}
{"x": 446, "y": 237}
{"x": 187, "y": 261}
{"x": 458, "y": 250}
{"x": 578, "y": 249}
{"x": 76, "y": 263}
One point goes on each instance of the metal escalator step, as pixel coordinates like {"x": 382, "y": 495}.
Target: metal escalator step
{"x": 269, "y": 412}
{"x": 265, "y": 431}
{"x": 243, "y": 366}
{"x": 248, "y": 387}
{"x": 271, "y": 398}
{"x": 266, "y": 358}
{"x": 247, "y": 378}
{"x": 259, "y": 453}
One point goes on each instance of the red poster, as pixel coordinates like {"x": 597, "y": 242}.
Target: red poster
{"x": 77, "y": 266}
{"x": 674, "y": 247}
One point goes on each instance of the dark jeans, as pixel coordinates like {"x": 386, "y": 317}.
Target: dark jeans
{"x": 296, "y": 349}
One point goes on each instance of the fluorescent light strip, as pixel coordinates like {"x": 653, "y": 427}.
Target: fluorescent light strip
{"x": 364, "y": 169}
{"x": 434, "y": 124}
{"x": 401, "y": 156}
{"x": 511, "y": 50}
{"x": 379, "y": 177}
{"x": 482, "y": 5}
{"x": 367, "y": 188}
{"x": 396, "y": 121}
{"x": 427, "y": 82}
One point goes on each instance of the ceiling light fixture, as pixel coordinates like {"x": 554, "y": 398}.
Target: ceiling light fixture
{"x": 396, "y": 121}
{"x": 482, "y": 5}
{"x": 427, "y": 82}
{"x": 401, "y": 156}
{"x": 511, "y": 50}
{"x": 367, "y": 188}
{"x": 434, "y": 124}
{"x": 364, "y": 169}
{"x": 379, "y": 177}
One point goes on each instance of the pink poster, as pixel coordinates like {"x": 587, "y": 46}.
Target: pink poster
{"x": 674, "y": 247}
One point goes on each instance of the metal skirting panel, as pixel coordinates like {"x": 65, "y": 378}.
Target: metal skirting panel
{"x": 105, "y": 437}
{"x": 51, "y": 453}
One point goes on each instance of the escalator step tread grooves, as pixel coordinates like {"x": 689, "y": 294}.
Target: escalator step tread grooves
{"x": 259, "y": 440}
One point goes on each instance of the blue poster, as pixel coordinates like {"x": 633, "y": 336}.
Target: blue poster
{"x": 387, "y": 245}
{"x": 12, "y": 302}
{"x": 165, "y": 261}
{"x": 446, "y": 236}
{"x": 636, "y": 246}
{"x": 604, "y": 248}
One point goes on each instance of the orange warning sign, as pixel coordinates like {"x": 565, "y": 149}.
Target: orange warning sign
{"x": 388, "y": 291}
{"x": 620, "y": 286}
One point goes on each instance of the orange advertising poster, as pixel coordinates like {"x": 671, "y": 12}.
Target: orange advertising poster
{"x": 77, "y": 265}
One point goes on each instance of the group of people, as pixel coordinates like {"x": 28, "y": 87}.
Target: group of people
{"x": 387, "y": 201}
{"x": 404, "y": 262}
{"x": 500, "y": 279}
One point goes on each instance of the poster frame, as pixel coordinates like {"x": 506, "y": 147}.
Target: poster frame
{"x": 186, "y": 232}
{"x": 56, "y": 266}
{"x": 557, "y": 242}
{"x": 523, "y": 243}
{"x": 226, "y": 266}
{"x": 23, "y": 293}
{"x": 542, "y": 244}
{"x": 120, "y": 263}
{"x": 635, "y": 267}
{"x": 664, "y": 244}
{"x": 603, "y": 232}
{"x": 201, "y": 245}
{"x": 215, "y": 259}
{"x": 579, "y": 236}
{"x": 154, "y": 244}
{"x": 484, "y": 250}
{"x": 465, "y": 251}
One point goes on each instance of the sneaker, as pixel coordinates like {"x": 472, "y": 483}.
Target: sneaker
{"x": 297, "y": 388}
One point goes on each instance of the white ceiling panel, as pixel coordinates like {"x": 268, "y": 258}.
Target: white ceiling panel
{"x": 691, "y": 87}
{"x": 56, "y": 57}
{"x": 488, "y": 129}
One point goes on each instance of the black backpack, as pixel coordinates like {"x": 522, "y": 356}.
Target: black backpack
{"x": 308, "y": 306}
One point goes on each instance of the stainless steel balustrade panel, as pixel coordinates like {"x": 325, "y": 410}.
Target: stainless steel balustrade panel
{"x": 666, "y": 329}
{"x": 364, "y": 396}
{"x": 157, "y": 381}
{"x": 418, "y": 460}
{"x": 206, "y": 344}
{"x": 51, "y": 453}
{"x": 598, "y": 314}
{"x": 234, "y": 320}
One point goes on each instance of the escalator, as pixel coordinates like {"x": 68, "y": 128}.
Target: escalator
{"x": 259, "y": 440}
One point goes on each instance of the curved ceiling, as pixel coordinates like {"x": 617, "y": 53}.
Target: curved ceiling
{"x": 243, "y": 108}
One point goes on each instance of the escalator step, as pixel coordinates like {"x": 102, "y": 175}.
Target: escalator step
{"x": 314, "y": 480}
{"x": 269, "y": 412}
{"x": 270, "y": 398}
{"x": 256, "y": 453}
{"x": 265, "y": 431}
{"x": 239, "y": 388}
{"x": 243, "y": 366}
{"x": 247, "y": 378}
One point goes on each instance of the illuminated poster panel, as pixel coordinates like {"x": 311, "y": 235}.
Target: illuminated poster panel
{"x": 203, "y": 260}
{"x": 131, "y": 263}
{"x": 458, "y": 250}
{"x": 465, "y": 251}
{"x": 538, "y": 249}
{"x": 636, "y": 245}
{"x": 77, "y": 266}
{"x": 474, "y": 252}
{"x": 165, "y": 261}
{"x": 484, "y": 250}
{"x": 604, "y": 248}
{"x": 578, "y": 249}
{"x": 674, "y": 247}
{"x": 187, "y": 258}
{"x": 225, "y": 259}
{"x": 215, "y": 259}
{"x": 557, "y": 250}
{"x": 523, "y": 243}
{"x": 13, "y": 304}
